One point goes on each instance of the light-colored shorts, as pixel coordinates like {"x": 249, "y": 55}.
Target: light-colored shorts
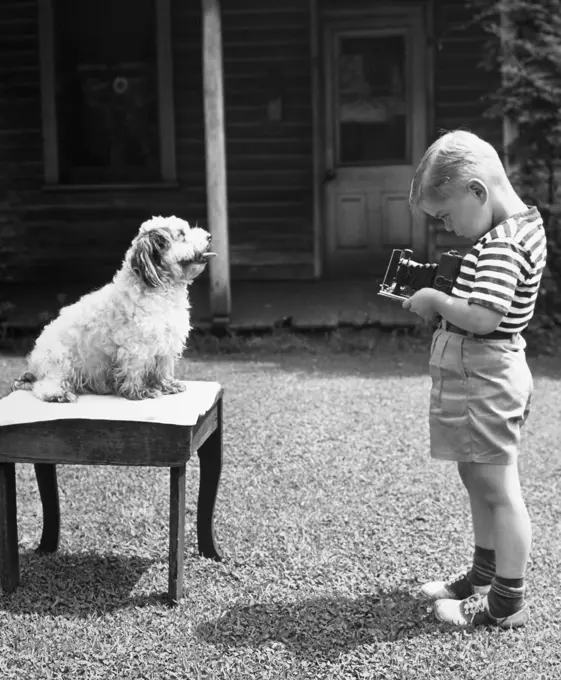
{"x": 480, "y": 397}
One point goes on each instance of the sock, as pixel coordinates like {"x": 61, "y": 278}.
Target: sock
{"x": 506, "y": 596}
{"x": 483, "y": 568}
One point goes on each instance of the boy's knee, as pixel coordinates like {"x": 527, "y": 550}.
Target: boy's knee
{"x": 495, "y": 485}
{"x": 495, "y": 497}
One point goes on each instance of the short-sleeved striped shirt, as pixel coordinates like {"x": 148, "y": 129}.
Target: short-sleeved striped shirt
{"x": 504, "y": 268}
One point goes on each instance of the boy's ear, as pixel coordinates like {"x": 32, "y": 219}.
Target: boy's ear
{"x": 479, "y": 189}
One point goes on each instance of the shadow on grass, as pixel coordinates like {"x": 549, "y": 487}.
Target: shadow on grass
{"x": 77, "y": 585}
{"x": 326, "y": 626}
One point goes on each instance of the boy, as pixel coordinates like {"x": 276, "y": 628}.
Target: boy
{"x": 481, "y": 383}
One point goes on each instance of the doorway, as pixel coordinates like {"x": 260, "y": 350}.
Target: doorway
{"x": 376, "y": 100}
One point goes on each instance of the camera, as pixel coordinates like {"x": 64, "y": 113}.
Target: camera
{"x": 404, "y": 276}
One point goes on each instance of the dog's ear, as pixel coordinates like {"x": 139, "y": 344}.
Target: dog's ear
{"x": 146, "y": 258}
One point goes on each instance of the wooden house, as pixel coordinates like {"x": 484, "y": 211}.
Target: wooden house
{"x": 289, "y": 128}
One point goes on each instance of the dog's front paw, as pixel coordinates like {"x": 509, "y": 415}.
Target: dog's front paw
{"x": 54, "y": 390}
{"x": 64, "y": 397}
{"x": 149, "y": 393}
{"x": 173, "y": 387}
{"x": 21, "y": 385}
{"x": 24, "y": 382}
{"x": 138, "y": 392}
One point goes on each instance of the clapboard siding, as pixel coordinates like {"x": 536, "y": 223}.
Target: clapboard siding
{"x": 460, "y": 83}
{"x": 269, "y": 165}
{"x": 73, "y": 234}
{"x": 76, "y": 234}
{"x": 20, "y": 125}
{"x": 460, "y": 89}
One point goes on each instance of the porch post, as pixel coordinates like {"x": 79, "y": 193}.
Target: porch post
{"x": 316, "y": 95}
{"x": 216, "y": 190}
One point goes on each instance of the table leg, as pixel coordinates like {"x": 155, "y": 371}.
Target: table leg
{"x": 210, "y": 461}
{"x": 48, "y": 490}
{"x": 9, "y": 556}
{"x": 176, "y": 533}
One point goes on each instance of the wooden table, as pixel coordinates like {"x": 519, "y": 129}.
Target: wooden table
{"x": 107, "y": 430}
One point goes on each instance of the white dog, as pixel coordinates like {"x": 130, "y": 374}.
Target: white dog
{"x": 124, "y": 338}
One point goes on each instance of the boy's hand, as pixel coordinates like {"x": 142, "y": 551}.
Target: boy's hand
{"x": 422, "y": 303}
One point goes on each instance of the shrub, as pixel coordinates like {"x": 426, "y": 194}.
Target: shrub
{"x": 524, "y": 43}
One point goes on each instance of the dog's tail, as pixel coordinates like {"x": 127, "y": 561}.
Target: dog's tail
{"x": 24, "y": 382}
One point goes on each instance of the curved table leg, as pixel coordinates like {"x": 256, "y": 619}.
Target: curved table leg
{"x": 9, "y": 556}
{"x": 210, "y": 461}
{"x": 48, "y": 490}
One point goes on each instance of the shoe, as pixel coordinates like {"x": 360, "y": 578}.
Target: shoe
{"x": 458, "y": 588}
{"x": 474, "y": 611}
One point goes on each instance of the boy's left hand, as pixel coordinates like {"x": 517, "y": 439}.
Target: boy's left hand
{"x": 422, "y": 303}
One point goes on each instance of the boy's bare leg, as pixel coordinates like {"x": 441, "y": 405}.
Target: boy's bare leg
{"x": 498, "y": 487}
{"x": 479, "y": 577}
{"x": 480, "y": 513}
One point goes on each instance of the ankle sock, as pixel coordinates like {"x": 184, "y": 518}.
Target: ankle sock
{"x": 483, "y": 568}
{"x": 506, "y": 596}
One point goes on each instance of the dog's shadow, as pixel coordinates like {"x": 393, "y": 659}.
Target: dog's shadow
{"x": 77, "y": 585}
{"x": 323, "y": 625}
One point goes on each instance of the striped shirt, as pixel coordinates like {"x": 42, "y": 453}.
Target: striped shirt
{"x": 504, "y": 268}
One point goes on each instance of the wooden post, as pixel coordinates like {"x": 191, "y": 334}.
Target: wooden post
{"x": 216, "y": 190}
{"x": 165, "y": 90}
{"x": 319, "y": 161}
{"x": 48, "y": 90}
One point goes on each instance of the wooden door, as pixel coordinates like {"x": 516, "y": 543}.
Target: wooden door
{"x": 376, "y": 119}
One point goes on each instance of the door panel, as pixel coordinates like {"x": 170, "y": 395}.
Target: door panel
{"x": 375, "y": 135}
{"x": 396, "y": 220}
{"x": 352, "y": 210}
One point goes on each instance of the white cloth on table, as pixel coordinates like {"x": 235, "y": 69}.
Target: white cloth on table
{"x": 172, "y": 409}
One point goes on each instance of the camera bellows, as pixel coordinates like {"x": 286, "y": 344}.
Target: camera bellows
{"x": 416, "y": 276}
{"x": 404, "y": 276}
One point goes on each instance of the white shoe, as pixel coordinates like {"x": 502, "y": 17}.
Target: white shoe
{"x": 474, "y": 611}
{"x": 458, "y": 588}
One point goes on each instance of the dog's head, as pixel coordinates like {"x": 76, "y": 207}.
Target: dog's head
{"x": 167, "y": 251}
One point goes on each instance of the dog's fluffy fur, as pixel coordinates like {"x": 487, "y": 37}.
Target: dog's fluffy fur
{"x": 125, "y": 338}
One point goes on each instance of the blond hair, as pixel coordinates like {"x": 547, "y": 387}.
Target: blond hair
{"x": 450, "y": 162}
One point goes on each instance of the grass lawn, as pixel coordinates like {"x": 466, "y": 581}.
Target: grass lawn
{"x": 331, "y": 514}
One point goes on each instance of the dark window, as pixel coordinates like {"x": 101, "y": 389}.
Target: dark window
{"x": 106, "y": 91}
{"x": 373, "y": 120}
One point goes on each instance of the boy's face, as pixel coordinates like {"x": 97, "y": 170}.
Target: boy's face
{"x": 466, "y": 212}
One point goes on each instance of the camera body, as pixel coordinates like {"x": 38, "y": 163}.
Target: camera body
{"x": 404, "y": 276}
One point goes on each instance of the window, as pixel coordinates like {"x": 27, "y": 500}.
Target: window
{"x": 107, "y": 92}
{"x": 373, "y": 100}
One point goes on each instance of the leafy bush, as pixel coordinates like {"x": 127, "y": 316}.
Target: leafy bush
{"x": 524, "y": 42}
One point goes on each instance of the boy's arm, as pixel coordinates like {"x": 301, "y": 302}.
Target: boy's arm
{"x": 499, "y": 267}
{"x": 471, "y": 317}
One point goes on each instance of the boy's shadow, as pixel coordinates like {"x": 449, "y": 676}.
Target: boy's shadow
{"x": 323, "y": 625}
{"x": 70, "y": 585}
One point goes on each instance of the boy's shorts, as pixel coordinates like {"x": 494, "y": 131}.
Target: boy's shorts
{"x": 480, "y": 397}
